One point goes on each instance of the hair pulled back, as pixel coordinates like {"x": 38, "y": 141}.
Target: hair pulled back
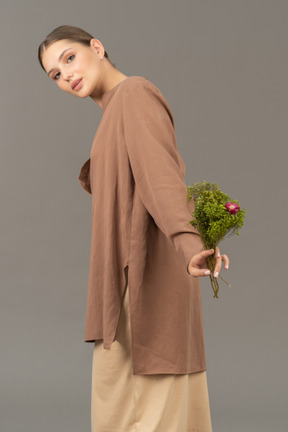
{"x": 71, "y": 33}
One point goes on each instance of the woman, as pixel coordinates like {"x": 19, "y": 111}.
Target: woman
{"x": 149, "y": 364}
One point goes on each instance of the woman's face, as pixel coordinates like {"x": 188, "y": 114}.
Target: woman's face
{"x": 73, "y": 66}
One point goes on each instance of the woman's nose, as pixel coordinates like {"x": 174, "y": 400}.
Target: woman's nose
{"x": 68, "y": 75}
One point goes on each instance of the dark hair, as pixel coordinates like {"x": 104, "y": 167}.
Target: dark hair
{"x": 74, "y": 34}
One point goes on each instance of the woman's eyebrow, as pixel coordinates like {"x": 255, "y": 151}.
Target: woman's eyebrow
{"x": 60, "y": 57}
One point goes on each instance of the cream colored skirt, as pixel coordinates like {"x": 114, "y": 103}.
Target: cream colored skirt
{"x": 123, "y": 402}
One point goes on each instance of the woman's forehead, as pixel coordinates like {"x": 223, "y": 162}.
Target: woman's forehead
{"x": 52, "y": 53}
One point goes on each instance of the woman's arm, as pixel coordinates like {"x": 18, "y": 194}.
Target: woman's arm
{"x": 150, "y": 138}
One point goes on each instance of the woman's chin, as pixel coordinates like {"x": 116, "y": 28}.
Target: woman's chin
{"x": 81, "y": 94}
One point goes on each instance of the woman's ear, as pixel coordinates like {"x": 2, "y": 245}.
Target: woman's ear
{"x": 96, "y": 45}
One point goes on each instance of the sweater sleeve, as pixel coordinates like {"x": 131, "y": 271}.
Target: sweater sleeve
{"x": 150, "y": 139}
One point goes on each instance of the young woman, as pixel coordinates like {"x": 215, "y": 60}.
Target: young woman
{"x": 149, "y": 364}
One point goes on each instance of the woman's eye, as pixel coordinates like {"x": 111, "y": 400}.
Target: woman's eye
{"x": 69, "y": 59}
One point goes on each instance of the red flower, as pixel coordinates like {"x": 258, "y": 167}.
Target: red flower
{"x": 233, "y": 208}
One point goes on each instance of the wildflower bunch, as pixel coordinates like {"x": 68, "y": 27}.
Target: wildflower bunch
{"x": 215, "y": 216}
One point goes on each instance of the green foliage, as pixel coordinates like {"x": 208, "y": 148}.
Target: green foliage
{"x": 210, "y": 216}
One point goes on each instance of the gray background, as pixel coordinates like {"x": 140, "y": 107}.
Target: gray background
{"x": 222, "y": 65}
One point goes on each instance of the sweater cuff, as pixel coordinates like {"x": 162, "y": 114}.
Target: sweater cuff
{"x": 187, "y": 245}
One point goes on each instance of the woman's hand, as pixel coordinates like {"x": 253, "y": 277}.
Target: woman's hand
{"x": 195, "y": 267}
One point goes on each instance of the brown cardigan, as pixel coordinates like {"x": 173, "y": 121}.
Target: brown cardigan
{"x": 140, "y": 219}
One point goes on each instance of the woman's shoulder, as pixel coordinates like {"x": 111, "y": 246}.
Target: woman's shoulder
{"x": 136, "y": 83}
{"x": 138, "y": 94}
{"x": 132, "y": 89}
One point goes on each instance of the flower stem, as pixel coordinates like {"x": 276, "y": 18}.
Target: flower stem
{"x": 225, "y": 281}
{"x": 214, "y": 282}
{"x": 215, "y": 285}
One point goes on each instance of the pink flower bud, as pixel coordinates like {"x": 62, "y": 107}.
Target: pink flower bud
{"x": 233, "y": 208}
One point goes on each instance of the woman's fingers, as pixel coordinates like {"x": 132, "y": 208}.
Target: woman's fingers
{"x": 202, "y": 255}
{"x": 194, "y": 271}
{"x": 226, "y": 261}
{"x": 219, "y": 259}
{"x": 218, "y": 262}
{"x": 197, "y": 262}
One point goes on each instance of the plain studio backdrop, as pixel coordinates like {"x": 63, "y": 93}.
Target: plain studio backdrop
{"x": 222, "y": 66}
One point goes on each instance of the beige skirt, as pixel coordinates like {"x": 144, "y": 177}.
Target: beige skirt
{"x": 123, "y": 402}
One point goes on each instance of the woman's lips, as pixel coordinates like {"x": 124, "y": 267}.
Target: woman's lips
{"x": 78, "y": 84}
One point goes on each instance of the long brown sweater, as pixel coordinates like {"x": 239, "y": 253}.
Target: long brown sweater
{"x": 140, "y": 219}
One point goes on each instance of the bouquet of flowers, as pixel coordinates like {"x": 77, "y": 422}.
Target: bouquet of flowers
{"x": 216, "y": 216}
